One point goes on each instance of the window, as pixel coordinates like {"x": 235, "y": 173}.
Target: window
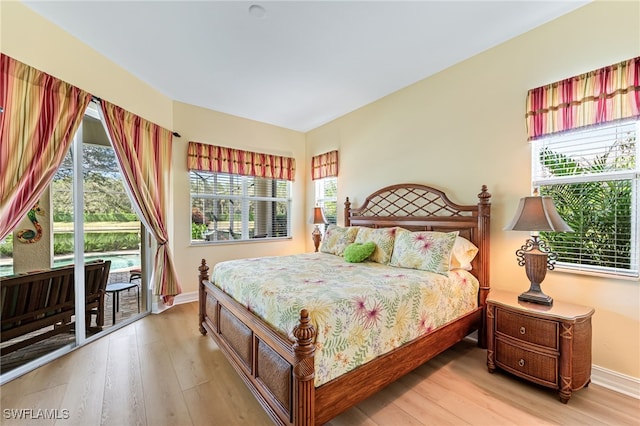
{"x": 592, "y": 176}
{"x": 230, "y": 207}
{"x": 324, "y": 172}
{"x": 327, "y": 197}
{"x": 111, "y": 226}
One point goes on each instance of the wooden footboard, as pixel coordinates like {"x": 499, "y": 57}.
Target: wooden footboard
{"x": 274, "y": 368}
{"x": 280, "y": 372}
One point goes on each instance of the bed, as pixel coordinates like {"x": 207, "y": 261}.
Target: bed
{"x": 284, "y": 365}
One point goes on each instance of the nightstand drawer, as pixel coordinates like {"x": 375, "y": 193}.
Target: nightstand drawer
{"x": 527, "y": 329}
{"x": 531, "y": 365}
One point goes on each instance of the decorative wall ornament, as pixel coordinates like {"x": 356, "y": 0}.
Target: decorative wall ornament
{"x": 29, "y": 235}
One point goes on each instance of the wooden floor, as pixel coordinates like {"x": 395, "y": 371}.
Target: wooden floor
{"x": 161, "y": 371}
{"x": 128, "y": 308}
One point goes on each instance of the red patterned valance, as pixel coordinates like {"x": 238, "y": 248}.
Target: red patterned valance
{"x": 219, "y": 159}
{"x": 324, "y": 165}
{"x": 604, "y": 95}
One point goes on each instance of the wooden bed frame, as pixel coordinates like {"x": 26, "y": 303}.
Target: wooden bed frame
{"x": 280, "y": 372}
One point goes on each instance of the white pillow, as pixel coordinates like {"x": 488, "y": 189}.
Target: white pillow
{"x": 463, "y": 252}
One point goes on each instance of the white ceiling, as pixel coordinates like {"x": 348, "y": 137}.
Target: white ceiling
{"x": 300, "y": 64}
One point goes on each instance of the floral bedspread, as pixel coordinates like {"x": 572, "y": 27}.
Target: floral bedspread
{"x": 360, "y": 311}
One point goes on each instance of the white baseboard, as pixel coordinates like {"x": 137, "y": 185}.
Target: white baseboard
{"x": 158, "y": 306}
{"x": 186, "y": 298}
{"x": 615, "y": 381}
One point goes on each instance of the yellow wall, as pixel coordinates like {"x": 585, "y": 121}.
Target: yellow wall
{"x": 211, "y": 127}
{"x": 468, "y": 118}
{"x": 465, "y": 127}
{"x": 23, "y": 37}
{"x": 29, "y": 38}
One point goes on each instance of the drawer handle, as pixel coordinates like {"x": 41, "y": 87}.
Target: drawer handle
{"x": 521, "y": 362}
{"x": 523, "y": 330}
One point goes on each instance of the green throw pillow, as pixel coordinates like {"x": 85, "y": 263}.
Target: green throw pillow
{"x": 356, "y": 252}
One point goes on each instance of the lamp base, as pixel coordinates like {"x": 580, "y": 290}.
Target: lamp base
{"x": 535, "y": 263}
{"x": 317, "y": 237}
{"x": 538, "y": 297}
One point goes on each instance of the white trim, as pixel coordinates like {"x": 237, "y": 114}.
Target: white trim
{"x": 77, "y": 151}
{"x": 186, "y": 298}
{"x": 615, "y": 381}
{"x": 597, "y": 271}
{"x": 159, "y": 307}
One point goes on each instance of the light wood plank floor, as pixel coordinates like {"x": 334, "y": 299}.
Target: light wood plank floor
{"x": 161, "y": 371}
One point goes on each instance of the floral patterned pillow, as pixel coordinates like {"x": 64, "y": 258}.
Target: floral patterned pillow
{"x": 383, "y": 239}
{"x": 337, "y": 238}
{"x": 429, "y": 251}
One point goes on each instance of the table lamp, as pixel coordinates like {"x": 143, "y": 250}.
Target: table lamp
{"x": 318, "y": 218}
{"x": 536, "y": 214}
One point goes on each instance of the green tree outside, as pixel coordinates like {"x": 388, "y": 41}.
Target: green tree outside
{"x": 599, "y": 212}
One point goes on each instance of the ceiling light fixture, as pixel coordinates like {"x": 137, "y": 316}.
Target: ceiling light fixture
{"x": 257, "y": 11}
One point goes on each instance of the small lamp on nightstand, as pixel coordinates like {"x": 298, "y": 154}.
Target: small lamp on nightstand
{"x": 318, "y": 218}
{"x": 535, "y": 214}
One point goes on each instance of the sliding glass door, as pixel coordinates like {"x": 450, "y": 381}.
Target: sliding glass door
{"x": 84, "y": 219}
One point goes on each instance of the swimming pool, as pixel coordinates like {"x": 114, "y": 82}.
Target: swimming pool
{"x": 118, "y": 261}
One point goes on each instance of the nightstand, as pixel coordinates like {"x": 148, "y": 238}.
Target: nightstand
{"x": 548, "y": 345}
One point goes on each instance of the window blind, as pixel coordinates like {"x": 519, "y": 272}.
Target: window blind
{"x": 233, "y": 207}
{"x": 592, "y": 175}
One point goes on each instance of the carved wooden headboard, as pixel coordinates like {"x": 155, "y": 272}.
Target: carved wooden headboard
{"x": 422, "y": 208}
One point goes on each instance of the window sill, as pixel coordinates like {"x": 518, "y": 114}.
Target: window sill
{"x": 599, "y": 274}
{"x": 228, "y": 242}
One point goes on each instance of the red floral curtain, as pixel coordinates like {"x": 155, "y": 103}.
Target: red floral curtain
{"x": 607, "y": 94}
{"x": 144, "y": 153}
{"x": 40, "y": 115}
{"x": 324, "y": 165}
{"x": 219, "y": 159}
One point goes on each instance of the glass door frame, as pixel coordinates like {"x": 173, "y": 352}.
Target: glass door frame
{"x": 78, "y": 233}
{"x": 146, "y": 262}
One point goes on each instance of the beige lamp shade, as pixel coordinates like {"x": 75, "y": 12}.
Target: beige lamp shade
{"x": 536, "y": 213}
{"x": 318, "y": 216}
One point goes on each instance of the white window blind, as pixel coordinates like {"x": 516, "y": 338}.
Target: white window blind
{"x": 228, "y": 207}
{"x": 592, "y": 175}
